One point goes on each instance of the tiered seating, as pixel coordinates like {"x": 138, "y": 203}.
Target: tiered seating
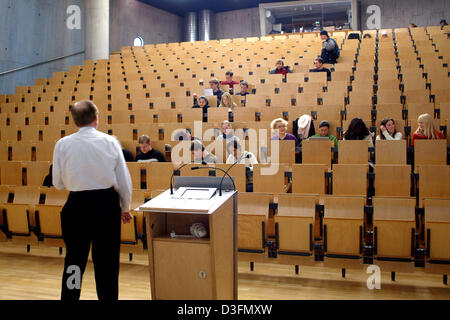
{"x": 295, "y": 214}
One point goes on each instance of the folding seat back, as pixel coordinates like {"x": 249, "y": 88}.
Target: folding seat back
{"x": 343, "y": 230}
{"x": 44, "y": 150}
{"x": 309, "y": 179}
{"x": 353, "y": 152}
{"x": 21, "y": 151}
{"x": 433, "y": 182}
{"x": 394, "y": 228}
{"x": 158, "y": 175}
{"x": 11, "y": 173}
{"x": 217, "y": 114}
{"x": 281, "y": 151}
{"x": 294, "y": 224}
{"x": 135, "y": 172}
{"x": 317, "y": 152}
{"x": 350, "y": 179}
{"x": 390, "y": 152}
{"x": 48, "y": 216}
{"x": 238, "y": 173}
{"x": 430, "y": 152}
{"x": 36, "y": 171}
{"x": 17, "y": 216}
{"x": 130, "y": 232}
{"x": 437, "y": 231}
{"x": 269, "y": 178}
{"x": 253, "y": 215}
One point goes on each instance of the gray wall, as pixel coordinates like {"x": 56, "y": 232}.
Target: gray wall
{"x": 399, "y": 13}
{"x": 34, "y": 31}
{"x": 131, "y": 18}
{"x": 237, "y": 24}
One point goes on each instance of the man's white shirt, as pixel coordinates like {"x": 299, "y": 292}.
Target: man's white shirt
{"x": 91, "y": 160}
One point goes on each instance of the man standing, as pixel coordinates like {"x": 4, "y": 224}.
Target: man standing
{"x": 330, "y": 48}
{"x": 90, "y": 164}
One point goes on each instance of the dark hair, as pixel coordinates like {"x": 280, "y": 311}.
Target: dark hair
{"x": 324, "y": 123}
{"x": 367, "y": 35}
{"x": 383, "y": 123}
{"x": 204, "y": 98}
{"x": 84, "y": 113}
{"x": 319, "y": 59}
{"x": 229, "y": 73}
{"x": 279, "y": 60}
{"x": 443, "y": 21}
{"x": 245, "y": 83}
{"x": 324, "y": 33}
{"x": 357, "y": 130}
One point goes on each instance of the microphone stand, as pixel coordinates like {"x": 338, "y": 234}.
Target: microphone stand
{"x": 225, "y": 173}
{"x": 177, "y": 170}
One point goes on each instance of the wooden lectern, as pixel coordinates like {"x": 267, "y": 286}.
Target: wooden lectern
{"x": 183, "y": 267}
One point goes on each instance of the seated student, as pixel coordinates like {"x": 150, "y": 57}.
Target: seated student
{"x": 303, "y": 128}
{"x": 147, "y": 152}
{"x": 412, "y": 25}
{"x": 324, "y": 128}
{"x": 227, "y": 132}
{"x": 48, "y": 180}
{"x": 217, "y": 91}
{"x": 227, "y": 102}
{"x": 126, "y": 153}
{"x": 236, "y": 155}
{"x": 318, "y": 63}
{"x": 388, "y": 131}
{"x": 384, "y": 34}
{"x": 280, "y": 69}
{"x": 426, "y": 129}
{"x": 202, "y": 102}
{"x": 200, "y": 154}
{"x": 443, "y": 23}
{"x": 330, "y": 49}
{"x": 357, "y": 130}
{"x": 279, "y": 128}
{"x": 244, "y": 89}
{"x": 229, "y": 81}
{"x": 367, "y": 36}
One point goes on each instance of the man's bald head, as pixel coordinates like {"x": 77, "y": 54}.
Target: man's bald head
{"x": 84, "y": 113}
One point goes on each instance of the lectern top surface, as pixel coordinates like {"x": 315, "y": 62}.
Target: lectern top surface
{"x": 166, "y": 202}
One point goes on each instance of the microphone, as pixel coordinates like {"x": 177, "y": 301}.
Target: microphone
{"x": 247, "y": 156}
{"x": 179, "y": 168}
{"x": 225, "y": 173}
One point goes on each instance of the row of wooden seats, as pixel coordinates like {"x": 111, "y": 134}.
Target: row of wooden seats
{"x": 284, "y": 229}
{"x": 341, "y": 233}
{"x": 164, "y": 139}
{"x": 31, "y": 215}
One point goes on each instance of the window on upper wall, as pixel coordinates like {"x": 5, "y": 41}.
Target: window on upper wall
{"x": 138, "y": 41}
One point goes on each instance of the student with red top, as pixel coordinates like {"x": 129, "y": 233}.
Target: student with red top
{"x": 281, "y": 69}
{"x": 426, "y": 129}
{"x": 229, "y": 81}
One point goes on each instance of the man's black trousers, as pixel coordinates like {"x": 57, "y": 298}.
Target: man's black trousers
{"x": 91, "y": 218}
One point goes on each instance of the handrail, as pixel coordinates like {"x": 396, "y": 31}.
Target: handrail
{"x": 40, "y": 63}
